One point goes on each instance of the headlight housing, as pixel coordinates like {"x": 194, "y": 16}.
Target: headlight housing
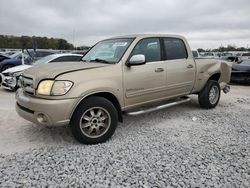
{"x": 54, "y": 87}
{"x": 61, "y": 87}
{"x": 16, "y": 74}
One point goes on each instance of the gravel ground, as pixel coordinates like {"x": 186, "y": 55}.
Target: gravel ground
{"x": 183, "y": 146}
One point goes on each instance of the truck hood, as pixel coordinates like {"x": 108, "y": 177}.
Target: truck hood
{"x": 52, "y": 70}
{"x": 17, "y": 69}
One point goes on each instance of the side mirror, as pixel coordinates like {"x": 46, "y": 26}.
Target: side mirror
{"x": 137, "y": 60}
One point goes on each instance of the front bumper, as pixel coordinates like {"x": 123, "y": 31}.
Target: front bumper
{"x": 44, "y": 112}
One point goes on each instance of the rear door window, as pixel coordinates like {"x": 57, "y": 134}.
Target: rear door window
{"x": 174, "y": 49}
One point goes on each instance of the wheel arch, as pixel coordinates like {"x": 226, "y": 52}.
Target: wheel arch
{"x": 107, "y": 95}
{"x": 215, "y": 77}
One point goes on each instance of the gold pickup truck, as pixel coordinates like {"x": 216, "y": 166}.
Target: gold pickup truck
{"x": 122, "y": 75}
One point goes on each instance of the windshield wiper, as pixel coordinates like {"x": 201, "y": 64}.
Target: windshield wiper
{"x": 101, "y": 61}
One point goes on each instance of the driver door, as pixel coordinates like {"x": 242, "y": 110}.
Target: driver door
{"x": 147, "y": 82}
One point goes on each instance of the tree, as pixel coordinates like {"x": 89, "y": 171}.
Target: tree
{"x": 200, "y": 50}
{"x": 25, "y": 42}
{"x": 9, "y": 41}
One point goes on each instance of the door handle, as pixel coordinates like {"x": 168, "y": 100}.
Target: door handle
{"x": 190, "y": 66}
{"x": 159, "y": 69}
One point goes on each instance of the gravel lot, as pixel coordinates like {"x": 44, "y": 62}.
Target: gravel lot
{"x": 183, "y": 146}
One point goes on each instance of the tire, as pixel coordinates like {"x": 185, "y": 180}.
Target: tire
{"x": 212, "y": 88}
{"x": 6, "y": 67}
{"x": 94, "y": 120}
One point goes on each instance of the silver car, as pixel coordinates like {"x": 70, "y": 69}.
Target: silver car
{"x": 9, "y": 77}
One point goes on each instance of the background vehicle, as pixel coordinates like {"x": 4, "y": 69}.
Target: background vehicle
{"x": 235, "y": 59}
{"x": 3, "y": 57}
{"x": 241, "y": 72}
{"x": 29, "y": 57}
{"x": 14, "y": 60}
{"x": 140, "y": 74}
{"x": 195, "y": 53}
{"x": 10, "y": 76}
{"x": 210, "y": 55}
{"x": 245, "y": 56}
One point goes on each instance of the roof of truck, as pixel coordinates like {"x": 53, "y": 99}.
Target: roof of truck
{"x": 148, "y": 35}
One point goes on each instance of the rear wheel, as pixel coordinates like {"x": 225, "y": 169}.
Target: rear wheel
{"x": 210, "y": 95}
{"x": 94, "y": 121}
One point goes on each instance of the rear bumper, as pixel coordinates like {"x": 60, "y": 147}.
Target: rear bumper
{"x": 44, "y": 112}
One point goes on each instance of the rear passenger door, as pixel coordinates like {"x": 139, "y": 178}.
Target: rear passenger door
{"x": 179, "y": 66}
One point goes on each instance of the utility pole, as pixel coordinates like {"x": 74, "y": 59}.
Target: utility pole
{"x": 22, "y": 56}
{"x": 74, "y": 38}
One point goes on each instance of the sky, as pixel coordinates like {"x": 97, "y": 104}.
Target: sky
{"x": 206, "y": 24}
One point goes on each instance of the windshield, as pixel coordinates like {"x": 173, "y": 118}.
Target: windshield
{"x": 109, "y": 51}
{"x": 15, "y": 55}
{"x": 18, "y": 55}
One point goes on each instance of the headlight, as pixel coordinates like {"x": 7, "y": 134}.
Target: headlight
{"x": 61, "y": 87}
{"x": 44, "y": 87}
{"x": 16, "y": 74}
{"x": 51, "y": 87}
{"x": 9, "y": 74}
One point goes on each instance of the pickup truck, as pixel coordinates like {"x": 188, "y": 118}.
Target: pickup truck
{"x": 124, "y": 75}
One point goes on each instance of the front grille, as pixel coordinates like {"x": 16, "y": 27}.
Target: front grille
{"x": 27, "y": 85}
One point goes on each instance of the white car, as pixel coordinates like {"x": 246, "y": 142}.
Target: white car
{"x": 9, "y": 77}
{"x": 210, "y": 55}
{"x": 245, "y": 56}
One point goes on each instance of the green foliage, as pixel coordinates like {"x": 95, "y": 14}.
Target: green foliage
{"x": 224, "y": 49}
{"x": 82, "y": 48}
{"x": 7, "y": 41}
{"x": 200, "y": 50}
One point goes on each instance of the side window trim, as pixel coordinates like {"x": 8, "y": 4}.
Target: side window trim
{"x": 165, "y": 58}
{"x": 163, "y": 51}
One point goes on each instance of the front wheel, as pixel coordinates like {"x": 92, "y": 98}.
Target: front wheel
{"x": 94, "y": 120}
{"x": 210, "y": 95}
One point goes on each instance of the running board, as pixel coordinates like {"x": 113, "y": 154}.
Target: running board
{"x": 183, "y": 100}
